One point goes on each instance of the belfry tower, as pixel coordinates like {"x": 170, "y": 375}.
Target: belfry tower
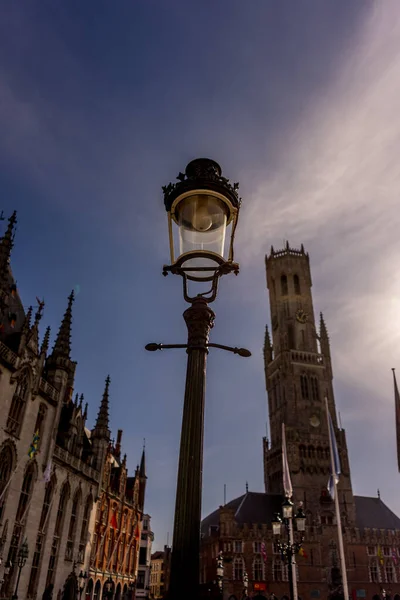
{"x": 298, "y": 374}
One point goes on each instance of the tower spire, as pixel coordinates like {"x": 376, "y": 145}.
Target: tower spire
{"x": 324, "y": 337}
{"x": 101, "y": 426}
{"x": 62, "y": 346}
{"x": 46, "y": 341}
{"x": 142, "y": 469}
{"x": 6, "y": 246}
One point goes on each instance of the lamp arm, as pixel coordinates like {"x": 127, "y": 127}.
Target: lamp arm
{"x": 152, "y": 347}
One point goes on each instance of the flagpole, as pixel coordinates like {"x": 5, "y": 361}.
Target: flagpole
{"x": 293, "y": 561}
{"x": 337, "y": 510}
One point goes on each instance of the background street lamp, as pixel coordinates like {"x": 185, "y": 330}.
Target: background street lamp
{"x": 220, "y": 573}
{"x": 22, "y": 557}
{"x": 108, "y": 586}
{"x": 82, "y": 582}
{"x": 245, "y": 584}
{"x": 201, "y": 208}
{"x": 288, "y": 549}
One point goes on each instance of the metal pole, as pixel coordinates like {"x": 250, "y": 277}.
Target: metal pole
{"x": 292, "y": 566}
{"x": 290, "y": 572}
{"x": 185, "y": 559}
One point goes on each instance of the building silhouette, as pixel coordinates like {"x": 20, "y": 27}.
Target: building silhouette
{"x": 299, "y": 376}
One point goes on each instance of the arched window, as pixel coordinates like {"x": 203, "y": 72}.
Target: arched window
{"x": 85, "y": 528}
{"x": 390, "y": 572}
{"x": 279, "y": 570}
{"x": 18, "y": 404}
{"x": 40, "y": 419}
{"x": 302, "y": 450}
{"x": 304, "y": 386}
{"x": 310, "y": 451}
{"x": 238, "y": 569}
{"x": 320, "y": 453}
{"x": 296, "y": 282}
{"x": 314, "y": 389}
{"x": 374, "y": 571}
{"x": 48, "y": 495}
{"x": 258, "y": 572}
{"x": 58, "y": 530}
{"x": 6, "y": 468}
{"x": 97, "y": 591}
{"x": 69, "y": 552}
{"x": 89, "y": 590}
{"x": 26, "y": 492}
{"x": 284, "y": 285}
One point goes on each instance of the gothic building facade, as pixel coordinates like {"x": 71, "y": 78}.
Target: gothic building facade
{"x": 299, "y": 376}
{"x": 51, "y": 464}
{"x": 117, "y": 530}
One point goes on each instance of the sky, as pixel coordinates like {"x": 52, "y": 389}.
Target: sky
{"x": 103, "y": 103}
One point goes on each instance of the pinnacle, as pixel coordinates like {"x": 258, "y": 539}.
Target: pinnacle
{"x": 46, "y": 340}
{"x": 142, "y": 469}
{"x": 102, "y": 417}
{"x": 27, "y": 322}
{"x": 322, "y": 327}
{"x": 267, "y": 339}
{"x": 6, "y": 246}
{"x": 62, "y": 346}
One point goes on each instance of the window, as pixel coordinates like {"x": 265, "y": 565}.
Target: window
{"x": 284, "y": 285}
{"x": 310, "y": 451}
{"x": 304, "y": 386}
{"x": 258, "y": 574}
{"x": 40, "y": 419}
{"x": 227, "y": 547}
{"x": 6, "y": 467}
{"x": 143, "y": 536}
{"x": 326, "y": 520}
{"x": 46, "y": 506}
{"x": 374, "y": 573}
{"x": 26, "y": 492}
{"x": 257, "y": 547}
{"x": 302, "y": 450}
{"x": 58, "y": 529}
{"x": 238, "y": 547}
{"x": 386, "y": 551}
{"x": 72, "y": 526}
{"x": 314, "y": 389}
{"x": 145, "y": 525}
{"x": 296, "y": 282}
{"x": 291, "y": 343}
{"x": 238, "y": 569}
{"x": 142, "y": 556}
{"x": 390, "y": 572}
{"x": 84, "y": 529}
{"x": 280, "y": 571}
{"x": 18, "y": 403}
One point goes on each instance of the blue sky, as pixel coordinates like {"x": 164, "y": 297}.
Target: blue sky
{"x": 103, "y": 103}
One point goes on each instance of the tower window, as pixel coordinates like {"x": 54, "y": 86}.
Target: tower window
{"x": 18, "y": 403}
{"x": 296, "y": 282}
{"x": 290, "y": 337}
{"x": 304, "y": 386}
{"x": 314, "y": 389}
{"x": 284, "y": 285}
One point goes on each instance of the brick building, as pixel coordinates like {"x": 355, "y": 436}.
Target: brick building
{"x": 144, "y": 566}
{"x": 118, "y": 527}
{"x": 159, "y": 574}
{"x": 299, "y": 376}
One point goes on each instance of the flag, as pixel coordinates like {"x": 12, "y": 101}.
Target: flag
{"x": 397, "y": 411}
{"x": 264, "y": 552}
{"x": 336, "y": 459}
{"x": 287, "y": 484}
{"x": 302, "y": 552}
{"x": 33, "y": 448}
{"x": 47, "y": 473}
{"x": 380, "y": 555}
{"x": 113, "y": 520}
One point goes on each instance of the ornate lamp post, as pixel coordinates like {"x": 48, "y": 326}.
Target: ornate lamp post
{"x": 201, "y": 207}
{"x": 288, "y": 549}
{"x": 82, "y": 582}
{"x": 220, "y": 573}
{"x": 22, "y": 557}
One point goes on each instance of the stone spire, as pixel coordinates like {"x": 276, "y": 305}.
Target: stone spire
{"x": 6, "y": 245}
{"x": 26, "y": 327}
{"x": 324, "y": 337}
{"x": 46, "y": 341}
{"x": 267, "y": 346}
{"x": 62, "y": 346}
{"x": 141, "y": 472}
{"x": 142, "y": 468}
{"x": 101, "y": 428}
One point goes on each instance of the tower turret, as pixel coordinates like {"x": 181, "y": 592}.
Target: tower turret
{"x": 59, "y": 361}
{"x": 267, "y": 346}
{"x": 142, "y": 479}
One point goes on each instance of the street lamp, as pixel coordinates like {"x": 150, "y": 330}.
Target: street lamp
{"x": 245, "y": 584}
{"x": 82, "y": 582}
{"x": 202, "y": 209}
{"x": 288, "y": 549}
{"x": 22, "y": 557}
{"x": 109, "y": 587}
{"x": 220, "y": 572}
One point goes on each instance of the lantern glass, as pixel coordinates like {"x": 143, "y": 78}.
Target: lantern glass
{"x": 202, "y": 220}
{"x": 287, "y": 509}
{"x": 301, "y": 523}
{"x": 276, "y": 527}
